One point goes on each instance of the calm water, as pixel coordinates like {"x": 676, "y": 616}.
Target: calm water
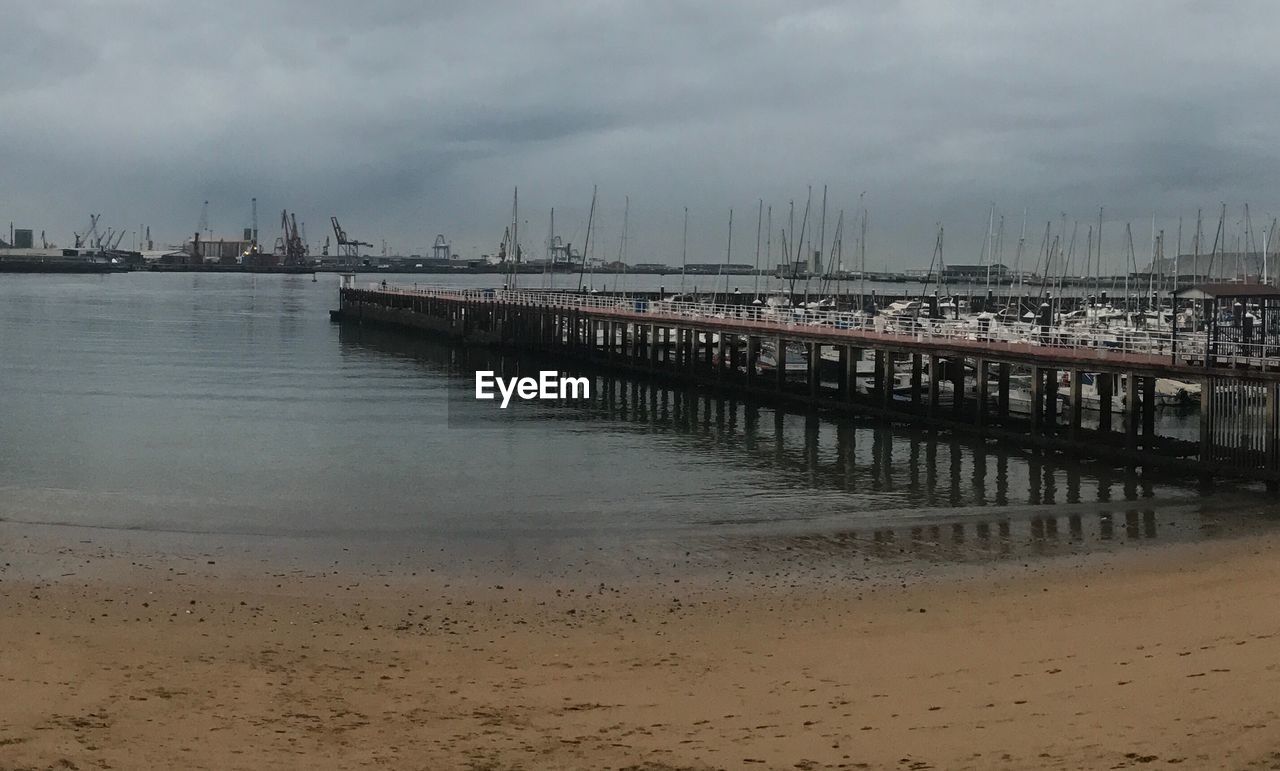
{"x": 230, "y": 404}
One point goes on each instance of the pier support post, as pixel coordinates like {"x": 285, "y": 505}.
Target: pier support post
{"x": 780, "y": 363}
{"x": 732, "y": 356}
{"x": 1037, "y": 399}
{"x": 917, "y": 365}
{"x": 934, "y": 376}
{"x": 1105, "y": 383}
{"x": 851, "y": 372}
{"x": 815, "y": 364}
{"x": 1002, "y": 392}
{"x": 842, "y": 373}
{"x": 721, "y": 364}
{"x": 1131, "y": 414}
{"x": 1149, "y": 413}
{"x": 1050, "y": 400}
{"x": 753, "y": 355}
{"x": 877, "y": 379}
{"x": 1206, "y": 421}
{"x": 886, "y": 386}
{"x": 1073, "y": 429}
{"x": 980, "y": 373}
{"x": 1270, "y": 443}
{"x": 957, "y": 385}
{"x": 692, "y": 336}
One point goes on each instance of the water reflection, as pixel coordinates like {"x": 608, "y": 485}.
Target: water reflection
{"x": 826, "y": 484}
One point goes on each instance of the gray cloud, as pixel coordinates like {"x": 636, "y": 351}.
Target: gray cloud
{"x": 407, "y": 119}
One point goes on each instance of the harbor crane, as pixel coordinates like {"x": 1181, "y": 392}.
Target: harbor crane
{"x": 86, "y": 239}
{"x": 441, "y": 250}
{"x": 347, "y": 247}
{"x": 508, "y": 248}
{"x": 289, "y": 246}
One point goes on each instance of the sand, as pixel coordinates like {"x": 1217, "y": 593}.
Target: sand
{"x": 1162, "y": 657}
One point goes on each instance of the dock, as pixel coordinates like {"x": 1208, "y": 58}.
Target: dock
{"x": 948, "y": 374}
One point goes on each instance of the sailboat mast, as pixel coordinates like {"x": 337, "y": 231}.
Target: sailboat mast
{"x": 838, "y": 249}
{"x": 1129, "y": 269}
{"x": 800, "y": 244}
{"x": 622, "y": 246}
{"x": 768, "y": 242}
{"x": 991, "y": 221}
{"x": 591, "y": 216}
{"x": 515, "y": 237}
{"x": 822, "y": 238}
{"x": 684, "y": 249}
{"x": 1177, "y": 266}
{"x": 1097, "y": 278}
{"x": 1016, "y": 284}
{"x": 728, "y": 256}
{"x": 862, "y": 257}
{"x": 1088, "y": 267}
{"x": 1195, "y": 247}
{"x": 759, "y": 223}
{"x": 1151, "y": 272}
{"x": 550, "y": 256}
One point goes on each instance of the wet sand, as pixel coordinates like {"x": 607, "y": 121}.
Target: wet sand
{"x": 115, "y": 656}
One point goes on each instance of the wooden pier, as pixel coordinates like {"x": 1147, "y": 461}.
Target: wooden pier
{"x": 947, "y": 374}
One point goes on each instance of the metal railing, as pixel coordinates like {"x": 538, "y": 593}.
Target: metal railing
{"x": 1153, "y": 346}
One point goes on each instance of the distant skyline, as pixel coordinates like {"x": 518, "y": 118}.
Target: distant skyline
{"x": 407, "y": 119}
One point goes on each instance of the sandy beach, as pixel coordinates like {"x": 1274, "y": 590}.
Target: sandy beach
{"x": 1164, "y": 657}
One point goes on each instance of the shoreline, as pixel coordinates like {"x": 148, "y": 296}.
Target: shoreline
{"x": 1161, "y": 657}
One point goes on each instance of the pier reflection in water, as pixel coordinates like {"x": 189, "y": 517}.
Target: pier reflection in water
{"x": 810, "y": 484}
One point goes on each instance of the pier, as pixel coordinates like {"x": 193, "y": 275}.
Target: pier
{"x": 1040, "y": 386}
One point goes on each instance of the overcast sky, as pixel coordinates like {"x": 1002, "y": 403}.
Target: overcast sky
{"x": 408, "y": 119}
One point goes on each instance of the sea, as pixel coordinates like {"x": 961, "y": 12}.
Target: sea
{"x": 230, "y": 405}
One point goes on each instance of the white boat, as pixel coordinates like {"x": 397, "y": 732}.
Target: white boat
{"x": 910, "y": 308}
{"x": 797, "y": 358}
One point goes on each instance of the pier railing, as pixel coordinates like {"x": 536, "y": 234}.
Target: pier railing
{"x": 1153, "y": 346}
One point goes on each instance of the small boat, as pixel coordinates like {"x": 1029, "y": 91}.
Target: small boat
{"x": 797, "y": 363}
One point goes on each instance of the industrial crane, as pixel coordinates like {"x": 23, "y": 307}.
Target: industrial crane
{"x": 85, "y": 240}
{"x": 347, "y": 247}
{"x": 289, "y": 246}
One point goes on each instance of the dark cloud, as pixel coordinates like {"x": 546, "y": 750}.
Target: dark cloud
{"x": 409, "y": 118}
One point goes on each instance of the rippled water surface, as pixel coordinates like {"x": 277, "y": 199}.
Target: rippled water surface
{"x": 231, "y": 404}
